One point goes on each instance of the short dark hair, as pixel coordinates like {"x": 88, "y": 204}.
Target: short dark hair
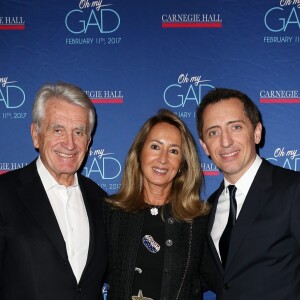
{"x": 219, "y": 94}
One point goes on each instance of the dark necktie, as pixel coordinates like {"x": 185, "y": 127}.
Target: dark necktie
{"x": 225, "y": 238}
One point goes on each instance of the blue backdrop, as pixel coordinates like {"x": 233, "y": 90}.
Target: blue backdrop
{"x": 135, "y": 57}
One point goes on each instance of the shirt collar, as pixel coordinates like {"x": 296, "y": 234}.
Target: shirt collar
{"x": 47, "y": 179}
{"x": 244, "y": 183}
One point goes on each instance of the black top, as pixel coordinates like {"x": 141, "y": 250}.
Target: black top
{"x": 150, "y": 258}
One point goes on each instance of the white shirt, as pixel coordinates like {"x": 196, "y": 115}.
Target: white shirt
{"x": 222, "y": 211}
{"x": 69, "y": 209}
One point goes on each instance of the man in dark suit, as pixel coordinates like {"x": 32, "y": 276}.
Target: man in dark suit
{"x": 52, "y": 238}
{"x": 254, "y": 226}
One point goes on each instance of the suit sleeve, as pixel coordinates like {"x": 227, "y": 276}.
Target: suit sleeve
{"x": 1, "y": 256}
{"x": 295, "y": 209}
{"x": 2, "y": 239}
{"x": 207, "y": 274}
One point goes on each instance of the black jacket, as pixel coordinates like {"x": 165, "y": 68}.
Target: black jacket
{"x": 186, "y": 266}
{"x": 33, "y": 258}
{"x": 263, "y": 261}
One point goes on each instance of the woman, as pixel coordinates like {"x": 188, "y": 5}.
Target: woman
{"x": 156, "y": 224}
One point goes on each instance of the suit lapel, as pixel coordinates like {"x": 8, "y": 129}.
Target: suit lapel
{"x": 214, "y": 202}
{"x": 36, "y": 200}
{"x": 255, "y": 200}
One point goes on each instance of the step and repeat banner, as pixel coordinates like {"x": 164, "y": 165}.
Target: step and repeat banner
{"x": 134, "y": 57}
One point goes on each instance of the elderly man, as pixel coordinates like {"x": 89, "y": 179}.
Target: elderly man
{"x": 52, "y": 239}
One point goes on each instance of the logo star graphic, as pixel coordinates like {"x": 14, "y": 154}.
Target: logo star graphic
{"x": 140, "y": 296}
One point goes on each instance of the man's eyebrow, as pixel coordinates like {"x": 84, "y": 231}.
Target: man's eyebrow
{"x": 80, "y": 128}
{"x": 212, "y": 127}
{"x": 236, "y": 121}
{"x": 228, "y": 123}
{"x": 54, "y": 126}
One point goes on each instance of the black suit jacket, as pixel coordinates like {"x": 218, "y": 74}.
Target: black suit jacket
{"x": 33, "y": 258}
{"x": 264, "y": 255}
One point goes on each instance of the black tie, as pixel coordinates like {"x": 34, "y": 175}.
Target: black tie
{"x": 225, "y": 238}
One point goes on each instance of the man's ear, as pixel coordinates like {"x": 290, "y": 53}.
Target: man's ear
{"x": 258, "y": 133}
{"x": 204, "y": 147}
{"x": 88, "y": 143}
{"x": 34, "y": 135}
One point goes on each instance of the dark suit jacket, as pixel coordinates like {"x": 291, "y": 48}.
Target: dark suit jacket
{"x": 33, "y": 258}
{"x": 264, "y": 255}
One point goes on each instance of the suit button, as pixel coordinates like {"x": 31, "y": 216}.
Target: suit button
{"x": 226, "y": 286}
{"x": 171, "y": 220}
{"x": 169, "y": 243}
{"x": 79, "y": 289}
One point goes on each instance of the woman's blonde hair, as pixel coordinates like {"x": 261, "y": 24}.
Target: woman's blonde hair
{"x": 184, "y": 196}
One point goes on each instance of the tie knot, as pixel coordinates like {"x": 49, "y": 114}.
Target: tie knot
{"x": 232, "y": 190}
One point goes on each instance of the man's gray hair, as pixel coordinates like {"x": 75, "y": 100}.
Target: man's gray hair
{"x": 67, "y": 92}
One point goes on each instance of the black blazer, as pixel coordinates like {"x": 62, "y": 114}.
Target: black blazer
{"x": 264, "y": 255}
{"x": 33, "y": 258}
{"x": 187, "y": 270}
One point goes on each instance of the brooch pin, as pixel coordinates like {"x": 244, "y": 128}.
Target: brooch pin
{"x": 150, "y": 244}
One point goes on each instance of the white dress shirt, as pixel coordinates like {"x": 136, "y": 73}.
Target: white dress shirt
{"x": 222, "y": 211}
{"x": 69, "y": 209}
